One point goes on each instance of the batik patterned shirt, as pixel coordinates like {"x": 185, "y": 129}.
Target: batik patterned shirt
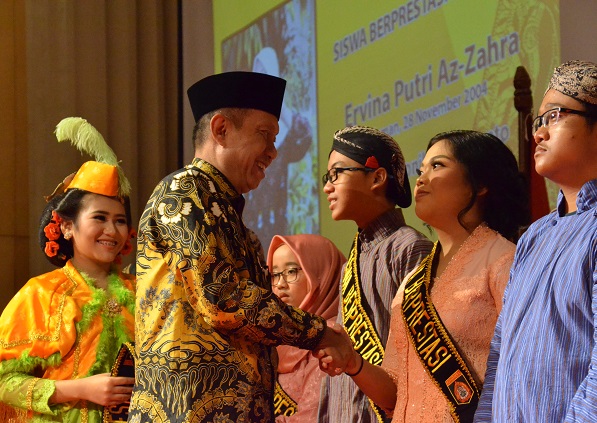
{"x": 207, "y": 321}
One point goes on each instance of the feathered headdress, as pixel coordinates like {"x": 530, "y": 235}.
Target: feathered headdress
{"x": 104, "y": 175}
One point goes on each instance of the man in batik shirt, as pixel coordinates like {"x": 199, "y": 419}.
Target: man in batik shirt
{"x": 207, "y": 321}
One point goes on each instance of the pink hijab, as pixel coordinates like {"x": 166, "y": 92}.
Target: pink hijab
{"x": 322, "y": 262}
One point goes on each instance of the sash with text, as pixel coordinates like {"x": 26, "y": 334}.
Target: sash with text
{"x": 434, "y": 346}
{"x": 355, "y": 315}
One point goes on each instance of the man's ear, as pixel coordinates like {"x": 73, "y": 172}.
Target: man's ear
{"x": 218, "y": 127}
{"x": 380, "y": 178}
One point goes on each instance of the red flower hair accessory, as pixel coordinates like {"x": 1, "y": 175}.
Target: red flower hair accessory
{"x": 372, "y": 162}
{"x": 53, "y": 232}
{"x": 52, "y": 248}
{"x": 127, "y": 247}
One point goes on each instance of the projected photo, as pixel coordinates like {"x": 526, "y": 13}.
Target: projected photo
{"x": 282, "y": 43}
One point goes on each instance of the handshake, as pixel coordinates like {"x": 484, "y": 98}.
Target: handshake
{"x": 336, "y": 353}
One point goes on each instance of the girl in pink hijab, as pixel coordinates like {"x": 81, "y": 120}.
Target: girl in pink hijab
{"x": 305, "y": 274}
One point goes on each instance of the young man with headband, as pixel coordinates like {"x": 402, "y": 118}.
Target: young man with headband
{"x": 542, "y": 365}
{"x": 365, "y": 182}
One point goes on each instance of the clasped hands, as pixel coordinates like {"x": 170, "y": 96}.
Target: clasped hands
{"x": 336, "y": 352}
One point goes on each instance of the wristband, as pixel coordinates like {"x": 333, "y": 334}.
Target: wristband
{"x": 360, "y": 368}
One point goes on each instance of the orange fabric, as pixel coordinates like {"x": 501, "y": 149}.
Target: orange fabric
{"x": 41, "y": 318}
{"x": 10, "y": 414}
{"x": 96, "y": 177}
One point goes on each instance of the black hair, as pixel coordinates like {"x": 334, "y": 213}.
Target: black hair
{"x": 591, "y": 110}
{"x": 68, "y": 206}
{"x": 490, "y": 164}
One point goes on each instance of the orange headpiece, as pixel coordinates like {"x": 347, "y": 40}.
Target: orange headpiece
{"x": 96, "y": 177}
{"x": 102, "y": 176}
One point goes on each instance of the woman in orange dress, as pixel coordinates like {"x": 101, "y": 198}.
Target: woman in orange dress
{"x": 60, "y": 334}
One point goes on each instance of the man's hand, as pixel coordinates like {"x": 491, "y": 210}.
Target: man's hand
{"x": 336, "y": 353}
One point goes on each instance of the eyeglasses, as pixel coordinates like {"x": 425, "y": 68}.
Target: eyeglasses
{"x": 331, "y": 175}
{"x": 552, "y": 116}
{"x": 289, "y": 275}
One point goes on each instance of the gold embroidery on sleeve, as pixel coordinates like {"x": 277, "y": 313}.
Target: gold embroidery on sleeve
{"x": 29, "y": 397}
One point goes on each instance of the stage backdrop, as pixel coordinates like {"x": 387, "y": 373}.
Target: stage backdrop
{"x": 411, "y": 68}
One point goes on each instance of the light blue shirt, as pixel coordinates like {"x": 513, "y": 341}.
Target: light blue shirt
{"x": 542, "y": 361}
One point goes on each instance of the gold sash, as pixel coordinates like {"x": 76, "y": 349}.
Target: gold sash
{"x": 283, "y": 404}
{"x": 355, "y": 315}
{"x": 434, "y": 346}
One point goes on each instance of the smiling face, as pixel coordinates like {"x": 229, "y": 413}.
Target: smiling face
{"x": 442, "y": 189}
{"x": 565, "y": 151}
{"x": 249, "y": 149}
{"x": 291, "y": 293}
{"x": 98, "y": 234}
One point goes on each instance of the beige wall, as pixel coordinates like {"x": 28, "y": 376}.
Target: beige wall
{"x": 577, "y": 26}
{"x": 197, "y": 24}
{"x": 14, "y": 230}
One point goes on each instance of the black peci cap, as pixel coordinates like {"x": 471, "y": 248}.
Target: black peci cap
{"x": 246, "y": 90}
